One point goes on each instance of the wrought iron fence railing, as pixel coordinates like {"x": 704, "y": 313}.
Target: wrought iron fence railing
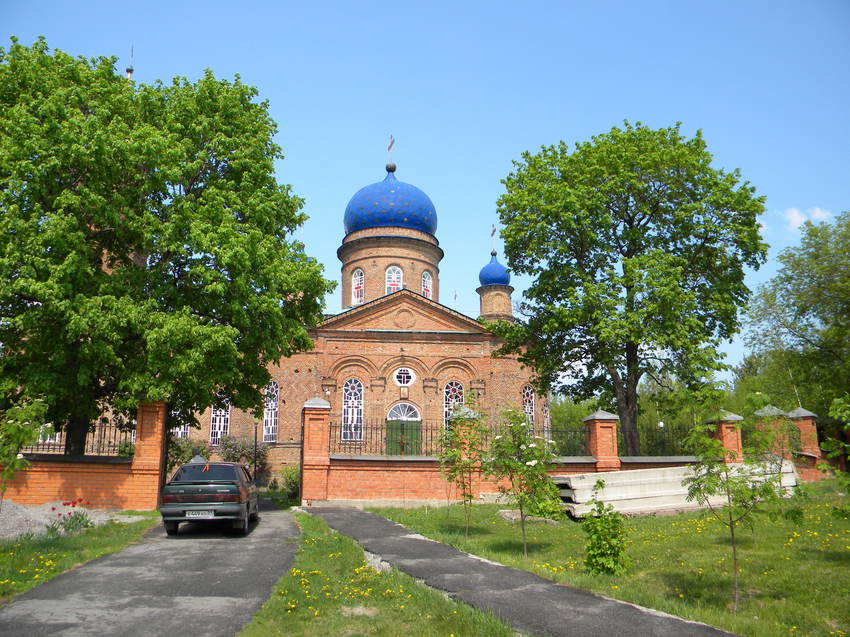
{"x": 667, "y": 440}
{"x": 102, "y": 440}
{"x": 426, "y": 438}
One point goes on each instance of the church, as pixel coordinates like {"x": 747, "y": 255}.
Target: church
{"x": 395, "y": 359}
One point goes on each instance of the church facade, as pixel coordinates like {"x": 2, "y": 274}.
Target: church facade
{"x": 395, "y": 354}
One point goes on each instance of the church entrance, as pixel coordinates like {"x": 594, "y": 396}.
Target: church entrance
{"x": 404, "y": 430}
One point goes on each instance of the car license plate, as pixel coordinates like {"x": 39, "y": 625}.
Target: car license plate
{"x": 199, "y": 514}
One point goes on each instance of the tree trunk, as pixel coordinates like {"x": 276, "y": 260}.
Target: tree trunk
{"x": 627, "y": 407}
{"x": 76, "y": 432}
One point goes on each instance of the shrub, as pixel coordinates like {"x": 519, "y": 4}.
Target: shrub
{"x": 285, "y": 488}
{"x": 126, "y": 448}
{"x": 182, "y": 450}
{"x": 605, "y": 547}
{"x": 238, "y": 449}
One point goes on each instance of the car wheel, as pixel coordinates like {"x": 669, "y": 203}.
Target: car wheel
{"x": 171, "y": 527}
{"x": 241, "y": 525}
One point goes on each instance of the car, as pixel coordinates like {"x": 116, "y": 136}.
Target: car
{"x": 202, "y": 491}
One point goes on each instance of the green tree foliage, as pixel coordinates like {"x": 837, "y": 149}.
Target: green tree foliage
{"x": 800, "y": 320}
{"x": 605, "y": 548}
{"x": 637, "y": 247}
{"x": 522, "y": 458}
{"x": 461, "y": 453}
{"x": 145, "y": 245}
{"x": 734, "y": 492}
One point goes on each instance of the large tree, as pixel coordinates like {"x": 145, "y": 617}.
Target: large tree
{"x": 145, "y": 244}
{"x": 637, "y": 247}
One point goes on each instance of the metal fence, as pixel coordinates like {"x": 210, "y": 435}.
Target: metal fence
{"x": 667, "y": 440}
{"x": 426, "y": 438}
{"x": 102, "y": 440}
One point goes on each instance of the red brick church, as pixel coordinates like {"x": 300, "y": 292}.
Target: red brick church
{"x": 395, "y": 354}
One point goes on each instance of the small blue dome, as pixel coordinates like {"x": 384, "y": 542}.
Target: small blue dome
{"x": 390, "y": 203}
{"x": 494, "y": 273}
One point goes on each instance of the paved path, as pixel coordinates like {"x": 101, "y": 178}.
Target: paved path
{"x": 207, "y": 581}
{"x": 529, "y": 603}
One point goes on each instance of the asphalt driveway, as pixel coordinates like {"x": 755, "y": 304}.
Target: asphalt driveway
{"x": 206, "y": 581}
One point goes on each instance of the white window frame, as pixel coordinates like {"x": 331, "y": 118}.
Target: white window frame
{"x": 271, "y": 411}
{"x": 528, "y": 403}
{"x": 407, "y": 374}
{"x": 393, "y": 279}
{"x": 358, "y": 289}
{"x": 427, "y": 285}
{"x": 407, "y": 412}
{"x": 219, "y": 423}
{"x": 452, "y": 397}
{"x": 352, "y": 410}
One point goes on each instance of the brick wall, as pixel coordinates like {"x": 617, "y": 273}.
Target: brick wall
{"x": 102, "y": 482}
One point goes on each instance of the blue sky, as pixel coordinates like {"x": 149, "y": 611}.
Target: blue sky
{"x": 466, "y": 87}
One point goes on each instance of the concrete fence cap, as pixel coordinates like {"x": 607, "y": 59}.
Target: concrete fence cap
{"x": 801, "y": 413}
{"x": 317, "y": 403}
{"x": 600, "y": 414}
{"x": 769, "y": 411}
{"x": 724, "y": 416}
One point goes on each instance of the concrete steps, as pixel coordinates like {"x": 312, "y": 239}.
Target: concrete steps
{"x": 645, "y": 491}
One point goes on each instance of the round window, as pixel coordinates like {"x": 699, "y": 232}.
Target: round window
{"x": 404, "y": 376}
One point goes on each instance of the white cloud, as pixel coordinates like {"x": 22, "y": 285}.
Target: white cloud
{"x": 818, "y": 214}
{"x": 796, "y": 218}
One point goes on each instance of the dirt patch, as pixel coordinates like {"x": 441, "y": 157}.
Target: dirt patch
{"x": 17, "y": 519}
{"x": 358, "y": 611}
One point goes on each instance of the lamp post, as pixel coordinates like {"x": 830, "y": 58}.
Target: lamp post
{"x": 255, "y": 450}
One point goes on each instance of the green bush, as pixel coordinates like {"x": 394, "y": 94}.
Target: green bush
{"x": 126, "y": 448}
{"x": 284, "y": 489}
{"x": 605, "y": 546}
{"x": 238, "y": 449}
{"x": 182, "y": 450}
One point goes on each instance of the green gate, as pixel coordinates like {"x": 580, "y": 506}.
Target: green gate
{"x": 404, "y": 438}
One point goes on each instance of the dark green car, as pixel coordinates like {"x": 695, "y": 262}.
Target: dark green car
{"x": 201, "y": 491}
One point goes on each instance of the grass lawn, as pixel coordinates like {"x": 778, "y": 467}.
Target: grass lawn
{"x": 27, "y": 561}
{"x": 332, "y": 591}
{"x": 794, "y": 577}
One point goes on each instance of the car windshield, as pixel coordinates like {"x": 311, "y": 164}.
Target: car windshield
{"x": 204, "y": 472}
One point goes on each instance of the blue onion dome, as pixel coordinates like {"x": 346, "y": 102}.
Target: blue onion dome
{"x": 494, "y": 273}
{"x": 390, "y": 203}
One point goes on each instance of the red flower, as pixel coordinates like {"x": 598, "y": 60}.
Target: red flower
{"x": 59, "y": 514}
{"x": 52, "y": 508}
{"x": 79, "y": 499}
{"x": 64, "y": 504}
{"x": 73, "y": 504}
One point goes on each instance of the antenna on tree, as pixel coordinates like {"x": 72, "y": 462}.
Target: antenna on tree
{"x": 130, "y": 67}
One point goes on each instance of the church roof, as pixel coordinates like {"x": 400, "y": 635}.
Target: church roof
{"x": 450, "y": 320}
{"x": 494, "y": 273}
{"x": 390, "y": 203}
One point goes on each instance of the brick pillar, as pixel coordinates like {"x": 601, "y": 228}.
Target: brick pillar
{"x": 147, "y": 468}
{"x": 602, "y": 440}
{"x": 315, "y": 464}
{"x": 773, "y": 418}
{"x": 728, "y": 432}
{"x": 805, "y": 421}
{"x": 810, "y": 453}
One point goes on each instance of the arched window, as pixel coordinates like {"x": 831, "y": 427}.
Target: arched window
{"x": 219, "y": 422}
{"x": 427, "y": 285}
{"x": 404, "y": 411}
{"x": 547, "y": 420}
{"x": 270, "y": 411}
{"x": 452, "y": 397}
{"x": 528, "y": 403}
{"x": 358, "y": 293}
{"x": 352, "y": 410}
{"x": 395, "y": 279}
